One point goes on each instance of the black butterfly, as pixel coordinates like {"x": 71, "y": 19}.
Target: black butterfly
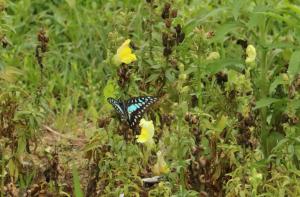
{"x": 133, "y": 109}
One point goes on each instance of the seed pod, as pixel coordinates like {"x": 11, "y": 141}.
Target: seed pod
{"x": 178, "y": 29}
{"x": 167, "y": 51}
{"x": 171, "y": 42}
{"x": 165, "y": 39}
{"x": 174, "y": 13}
{"x": 174, "y": 63}
{"x": 194, "y": 120}
{"x": 166, "y": 11}
{"x": 221, "y": 78}
{"x": 4, "y": 42}
{"x": 210, "y": 34}
{"x": 196, "y": 131}
{"x": 202, "y": 161}
{"x": 168, "y": 22}
{"x": 243, "y": 43}
{"x": 167, "y": 6}
{"x": 187, "y": 117}
{"x": 194, "y": 101}
{"x": 103, "y": 122}
{"x": 180, "y": 37}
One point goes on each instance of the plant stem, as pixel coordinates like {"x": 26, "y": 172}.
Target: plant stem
{"x": 150, "y": 32}
{"x": 263, "y": 88}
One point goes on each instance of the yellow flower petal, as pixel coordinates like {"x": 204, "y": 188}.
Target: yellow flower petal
{"x": 127, "y": 58}
{"x": 124, "y": 54}
{"x": 251, "y": 54}
{"x": 144, "y": 136}
{"x": 147, "y": 132}
{"x": 161, "y": 166}
{"x": 123, "y": 46}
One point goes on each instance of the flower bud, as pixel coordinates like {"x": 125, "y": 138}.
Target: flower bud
{"x": 182, "y": 77}
{"x": 251, "y": 54}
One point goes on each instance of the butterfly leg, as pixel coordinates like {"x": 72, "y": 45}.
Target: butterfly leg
{"x": 135, "y": 131}
{"x": 125, "y": 135}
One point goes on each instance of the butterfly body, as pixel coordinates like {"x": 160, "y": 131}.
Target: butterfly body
{"x": 133, "y": 109}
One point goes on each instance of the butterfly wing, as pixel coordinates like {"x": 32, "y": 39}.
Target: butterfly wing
{"x": 119, "y": 107}
{"x": 136, "y": 107}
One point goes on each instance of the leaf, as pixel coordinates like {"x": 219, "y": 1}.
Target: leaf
{"x": 110, "y": 89}
{"x": 288, "y": 20}
{"x": 201, "y": 18}
{"x": 297, "y": 151}
{"x": 255, "y": 20}
{"x": 294, "y": 64}
{"x": 217, "y": 173}
{"x": 10, "y": 74}
{"x": 205, "y": 144}
{"x": 272, "y": 140}
{"x": 236, "y": 9}
{"x": 76, "y": 182}
{"x": 223, "y": 30}
{"x": 293, "y": 105}
{"x": 12, "y": 168}
{"x": 152, "y": 77}
{"x": 265, "y": 102}
{"x": 170, "y": 75}
{"x": 71, "y": 3}
{"x": 278, "y": 81}
{"x": 222, "y": 123}
{"x": 21, "y": 145}
{"x": 217, "y": 65}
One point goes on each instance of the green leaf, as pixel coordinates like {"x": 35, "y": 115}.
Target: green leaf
{"x": 21, "y": 144}
{"x": 294, "y": 64}
{"x": 10, "y": 74}
{"x": 205, "y": 144}
{"x": 152, "y": 77}
{"x": 71, "y": 3}
{"x": 273, "y": 140}
{"x": 278, "y": 80}
{"x": 202, "y": 18}
{"x": 110, "y": 90}
{"x": 265, "y": 102}
{"x": 217, "y": 65}
{"x": 13, "y": 169}
{"x": 222, "y": 123}
{"x": 76, "y": 182}
{"x": 223, "y": 30}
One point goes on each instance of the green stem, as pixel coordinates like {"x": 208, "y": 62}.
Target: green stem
{"x": 150, "y": 31}
{"x": 263, "y": 86}
{"x": 199, "y": 86}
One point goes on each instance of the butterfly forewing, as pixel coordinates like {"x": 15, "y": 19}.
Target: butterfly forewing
{"x": 136, "y": 107}
{"x": 133, "y": 109}
{"x": 119, "y": 106}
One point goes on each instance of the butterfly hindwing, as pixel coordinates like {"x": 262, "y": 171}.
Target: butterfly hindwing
{"x": 119, "y": 107}
{"x": 136, "y": 107}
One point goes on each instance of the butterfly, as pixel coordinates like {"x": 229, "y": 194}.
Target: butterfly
{"x": 133, "y": 109}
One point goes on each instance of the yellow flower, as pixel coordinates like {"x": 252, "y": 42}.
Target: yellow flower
{"x": 161, "y": 166}
{"x": 124, "y": 54}
{"x": 147, "y": 132}
{"x": 251, "y": 54}
{"x": 213, "y": 56}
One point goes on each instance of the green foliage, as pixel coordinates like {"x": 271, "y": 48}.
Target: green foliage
{"x": 76, "y": 181}
{"x": 225, "y": 126}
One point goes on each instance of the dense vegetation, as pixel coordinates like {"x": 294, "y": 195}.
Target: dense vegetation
{"x": 227, "y": 75}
